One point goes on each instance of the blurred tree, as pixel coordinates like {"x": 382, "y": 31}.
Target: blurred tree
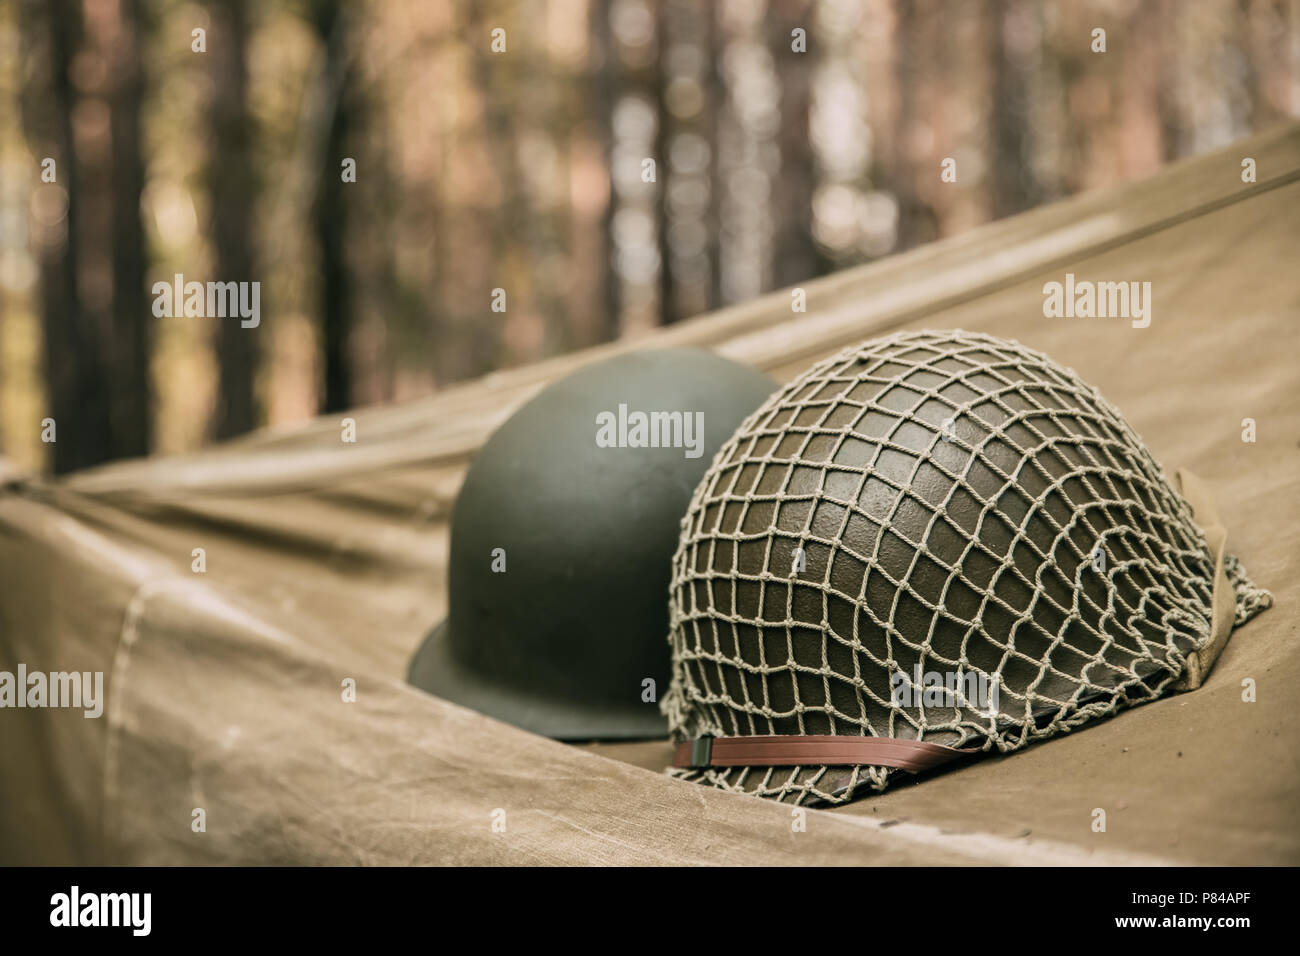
{"x": 915, "y": 220}
{"x": 523, "y": 169}
{"x": 123, "y": 44}
{"x": 1264, "y": 58}
{"x": 659, "y": 91}
{"x": 796, "y": 256}
{"x": 602, "y": 74}
{"x": 330, "y": 208}
{"x": 233, "y": 189}
{"x": 75, "y": 369}
{"x": 689, "y": 100}
{"x": 497, "y": 82}
{"x": 1014, "y": 187}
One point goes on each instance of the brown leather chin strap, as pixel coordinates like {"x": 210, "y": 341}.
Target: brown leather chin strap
{"x": 814, "y": 751}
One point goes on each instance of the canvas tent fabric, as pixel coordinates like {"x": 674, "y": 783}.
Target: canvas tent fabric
{"x": 326, "y": 562}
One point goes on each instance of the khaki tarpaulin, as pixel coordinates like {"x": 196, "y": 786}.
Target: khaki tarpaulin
{"x": 326, "y": 561}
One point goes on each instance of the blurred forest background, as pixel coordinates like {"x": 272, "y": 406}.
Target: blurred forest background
{"x": 523, "y": 170}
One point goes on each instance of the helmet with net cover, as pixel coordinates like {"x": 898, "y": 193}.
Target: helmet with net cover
{"x": 927, "y": 546}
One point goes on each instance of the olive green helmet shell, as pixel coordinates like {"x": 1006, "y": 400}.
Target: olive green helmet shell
{"x": 562, "y": 640}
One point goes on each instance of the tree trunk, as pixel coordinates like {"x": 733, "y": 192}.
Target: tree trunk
{"x": 909, "y": 59}
{"x": 231, "y": 185}
{"x": 74, "y": 349}
{"x": 330, "y": 209}
{"x": 131, "y": 312}
{"x": 796, "y": 256}
{"x": 604, "y": 81}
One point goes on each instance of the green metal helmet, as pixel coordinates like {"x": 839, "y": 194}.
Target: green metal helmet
{"x": 562, "y": 540}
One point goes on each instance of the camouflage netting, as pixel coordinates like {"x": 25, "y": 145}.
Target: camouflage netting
{"x": 931, "y": 502}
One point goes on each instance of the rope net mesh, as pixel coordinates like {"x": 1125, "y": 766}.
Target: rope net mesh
{"x": 930, "y": 507}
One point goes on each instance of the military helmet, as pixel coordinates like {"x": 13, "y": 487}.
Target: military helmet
{"x": 927, "y": 546}
{"x": 562, "y": 539}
